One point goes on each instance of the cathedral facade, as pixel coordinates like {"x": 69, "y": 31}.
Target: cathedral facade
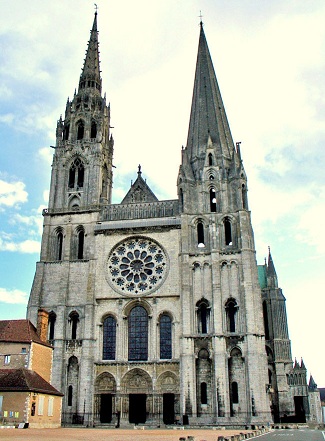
{"x": 157, "y": 310}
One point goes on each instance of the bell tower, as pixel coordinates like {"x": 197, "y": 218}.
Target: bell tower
{"x": 223, "y": 344}
{"x": 82, "y": 162}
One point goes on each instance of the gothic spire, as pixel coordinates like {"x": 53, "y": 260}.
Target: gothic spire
{"x": 271, "y": 273}
{"x": 90, "y": 75}
{"x": 208, "y": 116}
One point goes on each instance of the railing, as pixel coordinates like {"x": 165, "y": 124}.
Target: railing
{"x": 143, "y": 210}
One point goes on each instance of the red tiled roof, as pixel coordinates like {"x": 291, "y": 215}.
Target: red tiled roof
{"x": 25, "y": 380}
{"x": 19, "y": 331}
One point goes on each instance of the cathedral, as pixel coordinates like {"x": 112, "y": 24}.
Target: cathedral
{"x": 157, "y": 309}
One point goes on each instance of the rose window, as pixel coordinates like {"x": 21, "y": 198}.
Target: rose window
{"x": 137, "y": 266}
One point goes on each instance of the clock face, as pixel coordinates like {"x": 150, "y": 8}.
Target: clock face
{"x": 137, "y": 266}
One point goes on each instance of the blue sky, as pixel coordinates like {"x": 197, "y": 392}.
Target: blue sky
{"x": 270, "y": 63}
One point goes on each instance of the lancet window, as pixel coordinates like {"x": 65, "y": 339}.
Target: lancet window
{"x": 76, "y": 174}
{"x": 138, "y": 334}
{"x": 165, "y": 328}
{"x": 109, "y": 338}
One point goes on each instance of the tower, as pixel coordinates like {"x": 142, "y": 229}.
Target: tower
{"x": 155, "y": 306}
{"x": 223, "y": 347}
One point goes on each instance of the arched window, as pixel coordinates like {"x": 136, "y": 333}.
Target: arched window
{"x": 80, "y": 243}
{"x": 59, "y": 245}
{"x": 109, "y": 338}
{"x": 210, "y": 159}
{"x": 66, "y": 132}
{"x": 266, "y": 322}
{"x": 244, "y": 196}
{"x": 138, "y": 334}
{"x": 52, "y": 319}
{"x": 200, "y": 235}
{"x": 80, "y": 130}
{"x": 228, "y": 233}
{"x": 213, "y": 200}
{"x": 74, "y": 319}
{"x": 181, "y": 197}
{"x": 204, "y": 395}
{"x": 76, "y": 174}
{"x": 93, "y": 130}
{"x": 165, "y": 327}
{"x": 231, "y": 310}
{"x": 203, "y": 316}
{"x": 72, "y": 381}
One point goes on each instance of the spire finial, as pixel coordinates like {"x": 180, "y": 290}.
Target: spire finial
{"x": 201, "y": 16}
{"x": 139, "y": 169}
{"x": 96, "y": 7}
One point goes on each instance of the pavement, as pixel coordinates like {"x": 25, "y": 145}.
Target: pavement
{"x": 77, "y": 434}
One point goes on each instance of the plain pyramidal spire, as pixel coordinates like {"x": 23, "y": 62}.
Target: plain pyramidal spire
{"x": 208, "y": 118}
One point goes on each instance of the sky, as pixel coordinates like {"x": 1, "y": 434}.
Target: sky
{"x": 270, "y": 64}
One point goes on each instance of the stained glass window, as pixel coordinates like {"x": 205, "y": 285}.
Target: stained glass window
{"x": 109, "y": 338}
{"x": 165, "y": 337}
{"x": 138, "y": 334}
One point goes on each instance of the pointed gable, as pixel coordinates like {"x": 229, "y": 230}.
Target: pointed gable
{"x": 139, "y": 192}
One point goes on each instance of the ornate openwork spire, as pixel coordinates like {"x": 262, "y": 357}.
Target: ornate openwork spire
{"x": 90, "y": 76}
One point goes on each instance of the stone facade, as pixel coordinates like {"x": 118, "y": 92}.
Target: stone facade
{"x": 155, "y": 307}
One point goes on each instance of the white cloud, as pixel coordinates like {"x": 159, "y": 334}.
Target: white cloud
{"x": 7, "y": 118}
{"x": 12, "y": 193}
{"x": 13, "y": 296}
{"x": 46, "y": 154}
{"x": 27, "y": 246}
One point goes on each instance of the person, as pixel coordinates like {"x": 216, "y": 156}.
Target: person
{"x": 118, "y": 417}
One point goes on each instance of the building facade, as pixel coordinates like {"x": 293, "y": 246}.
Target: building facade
{"x": 155, "y": 307}
{"x": 26, "y": 394}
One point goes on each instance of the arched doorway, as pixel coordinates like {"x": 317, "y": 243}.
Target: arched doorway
{"x": 137, "y": 397}
{"x": 105, "y": 390}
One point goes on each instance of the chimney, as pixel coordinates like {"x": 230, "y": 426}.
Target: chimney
{"x": 42, "y": 324}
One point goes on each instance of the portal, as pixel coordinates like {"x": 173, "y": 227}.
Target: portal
{"x": 168, "y": 408}
{"x": 105, "y": 408}
{"x": 137, "y": 408}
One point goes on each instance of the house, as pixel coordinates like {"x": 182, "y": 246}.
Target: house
{"x": 26, "y": 395}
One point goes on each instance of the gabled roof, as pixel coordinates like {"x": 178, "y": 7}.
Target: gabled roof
{"x": 139, "y": 192}
{"x": 19, "y": 331}
{"x": 25, "y": 380}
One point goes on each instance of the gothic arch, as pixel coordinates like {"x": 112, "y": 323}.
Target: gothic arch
{"x": 136, "y": 302}
{"x": 80, "y": 129}
{"x": 228, "y": 229}
{"x": 167, "y": 382}
{"x": 76, "y": 175}
{"x": 74, "y": 320}
{"x": 74, "y": 202}
{"x": 58, "y": 243}
{"x": 78, "y": 243}
{"x": 203, "y": 316}
{"x": 105, "y": 383}
{"x": 136, "y": 381}
{"x": 231, "y": 308}
{"x": 109, "y": 330}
